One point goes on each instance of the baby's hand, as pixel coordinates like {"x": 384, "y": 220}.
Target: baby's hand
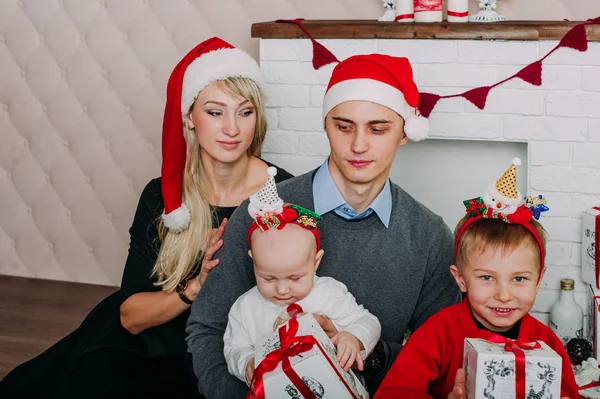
{"x": 249, "y": 371}
{"x": 348, "y": 350}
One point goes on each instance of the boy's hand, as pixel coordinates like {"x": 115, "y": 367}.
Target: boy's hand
{"x": 249, "y": 371}
{"x": 459, "y": 391}
{"x": 348, "y": 350}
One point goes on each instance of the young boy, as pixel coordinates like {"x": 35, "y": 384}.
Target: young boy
{"x": 499, "y": 252}
{"x": 285, "y": 247}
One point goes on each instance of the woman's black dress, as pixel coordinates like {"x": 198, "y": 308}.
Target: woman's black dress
{"x": 101, "y": 359}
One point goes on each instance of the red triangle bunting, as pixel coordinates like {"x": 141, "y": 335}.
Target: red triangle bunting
{"x": 575, "y": 38}
{"x": 427, "y": 102}
{"x": 532, "y": 73}
{"x": 478, "y": 96}
{"x": 321, "y": 56}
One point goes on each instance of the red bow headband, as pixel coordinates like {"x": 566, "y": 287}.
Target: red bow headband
{"x": 294, "y": 214}
{"x": 478, "y": 209}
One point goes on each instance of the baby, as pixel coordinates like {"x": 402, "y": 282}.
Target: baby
{"x": 285, "y": 247}
{"x": 499, "y": 253}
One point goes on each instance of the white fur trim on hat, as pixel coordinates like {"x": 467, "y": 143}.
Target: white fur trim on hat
{"x": 216, "y": 65}
{"x": 416, "y": 126}
{"x": 177, "y": 220}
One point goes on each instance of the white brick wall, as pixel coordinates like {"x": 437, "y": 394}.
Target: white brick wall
{"x": 560, "y": 120}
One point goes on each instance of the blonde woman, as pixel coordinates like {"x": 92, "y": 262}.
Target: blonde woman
{"x": 133, "y": 343}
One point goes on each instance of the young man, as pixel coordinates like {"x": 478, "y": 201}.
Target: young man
{"x": 391, "y": 252}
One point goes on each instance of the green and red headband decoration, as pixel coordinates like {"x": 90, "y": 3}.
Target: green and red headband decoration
{"x": 269, "y": 211}
{"x": 292, "y": 214}
{"x": 503, "y": 201}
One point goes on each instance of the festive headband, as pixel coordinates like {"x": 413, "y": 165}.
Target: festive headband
{"x": 268, "y": 211}
{"x": 292, "y": 214}
{"x": 503, "y": 201}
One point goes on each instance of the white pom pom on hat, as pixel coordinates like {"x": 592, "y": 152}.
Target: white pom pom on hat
{"x": 177, "y": 220}
{"x": 416, "y": 127}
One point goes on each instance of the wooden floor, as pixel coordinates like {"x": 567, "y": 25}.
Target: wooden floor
{"x": 34, "y": 314}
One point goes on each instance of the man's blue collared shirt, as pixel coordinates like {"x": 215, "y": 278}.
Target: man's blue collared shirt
{"x": 327, "y": 197}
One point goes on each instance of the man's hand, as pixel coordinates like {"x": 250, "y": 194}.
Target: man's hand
{"x": 327, "y": 325}
{"x": 348, "y": 350}
{"x": 459, "y": 391}
{"x": 249, "y": 371}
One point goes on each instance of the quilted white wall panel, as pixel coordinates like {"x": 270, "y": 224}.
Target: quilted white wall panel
{"x": 81, "y": 100}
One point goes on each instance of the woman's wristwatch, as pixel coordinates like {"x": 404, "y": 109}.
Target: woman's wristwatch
{"x": 180, "y": 289}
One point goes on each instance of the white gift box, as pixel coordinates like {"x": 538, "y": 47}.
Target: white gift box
{"x": 317, "y": 367}
{"x": 490, "y": 371}
{"x": 590, "y": 241}
{"x": 594, "y": 319}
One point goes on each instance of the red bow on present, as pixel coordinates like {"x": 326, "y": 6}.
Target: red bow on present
{"x": 517, "y": 347}
{"x": 290, "y": 345}
{"x": 475, "y": 206}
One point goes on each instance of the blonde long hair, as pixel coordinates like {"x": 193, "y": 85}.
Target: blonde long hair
{"x": 181, "y": 253}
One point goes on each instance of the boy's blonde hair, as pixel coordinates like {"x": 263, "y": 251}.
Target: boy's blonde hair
{"x": 493, "y": 234}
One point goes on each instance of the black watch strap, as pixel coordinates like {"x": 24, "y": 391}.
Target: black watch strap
{"x": 184, "y": 298}
{"x": 181, "y": 291}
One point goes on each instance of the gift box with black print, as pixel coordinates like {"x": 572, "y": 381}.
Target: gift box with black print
{"x": 590, "y": 241}
{"x": 303, "y": 364}
{"x": 511, "y": 369}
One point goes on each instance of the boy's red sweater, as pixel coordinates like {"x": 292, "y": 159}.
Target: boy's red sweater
{"x": 426, "y": 366}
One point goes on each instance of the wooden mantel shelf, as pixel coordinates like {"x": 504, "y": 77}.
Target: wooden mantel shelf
{"x": 370, "y": 29}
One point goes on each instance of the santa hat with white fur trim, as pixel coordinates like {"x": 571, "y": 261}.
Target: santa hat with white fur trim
{"x": 211, "y": 60}
{"x": 381, "y": 79}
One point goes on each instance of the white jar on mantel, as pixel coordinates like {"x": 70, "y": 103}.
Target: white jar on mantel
{"x": 566, "y": 316}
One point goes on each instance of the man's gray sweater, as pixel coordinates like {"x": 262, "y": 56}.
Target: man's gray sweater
{"x": 400, "y": 274}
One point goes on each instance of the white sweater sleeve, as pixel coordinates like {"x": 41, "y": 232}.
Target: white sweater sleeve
{"x": 347, "y": 315}
{"x": 238, "y": 342}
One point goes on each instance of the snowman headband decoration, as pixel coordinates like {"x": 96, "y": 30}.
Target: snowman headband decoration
{"x": 269, "y": 211}
{"x": 503, "y": 201}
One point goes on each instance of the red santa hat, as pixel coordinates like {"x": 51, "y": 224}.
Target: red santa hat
{"x": 381, "y": 79}
{"x": 211, "y": 60}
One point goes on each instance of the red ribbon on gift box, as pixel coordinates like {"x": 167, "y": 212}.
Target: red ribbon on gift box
{"x": 518, "y": 349}
{"x": 290, "y": 345}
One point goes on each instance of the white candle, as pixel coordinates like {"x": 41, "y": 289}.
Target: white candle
{"x": 405, "y": 11}
{"x": 458, "y": 10}
{"x": 428, "y": 10}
